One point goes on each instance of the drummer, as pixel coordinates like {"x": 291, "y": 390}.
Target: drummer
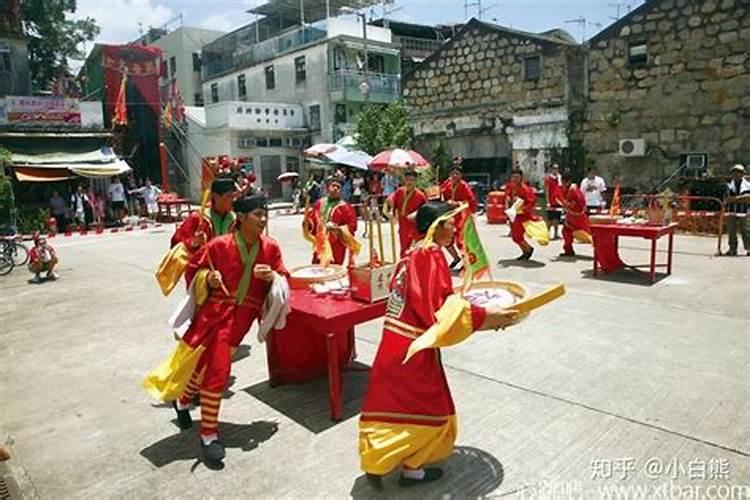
{"x": 337, "y": 218}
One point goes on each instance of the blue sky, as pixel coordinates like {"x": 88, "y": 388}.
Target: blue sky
{"x": 120, "y": 19}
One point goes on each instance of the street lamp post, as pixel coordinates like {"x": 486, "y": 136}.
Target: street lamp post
{"x": 365, "y": 85}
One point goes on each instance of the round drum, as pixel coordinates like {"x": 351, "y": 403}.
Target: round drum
{"x": 303, "y": 277}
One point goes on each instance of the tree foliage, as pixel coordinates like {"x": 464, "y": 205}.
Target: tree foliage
{"x": 54, "y": 37}
{"x": 379, "y": 128}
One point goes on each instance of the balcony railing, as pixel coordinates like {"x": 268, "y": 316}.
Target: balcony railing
{"x": 233, "y": 54}
{"x": 382, "y": 87}
{"x": 409, "y": 44}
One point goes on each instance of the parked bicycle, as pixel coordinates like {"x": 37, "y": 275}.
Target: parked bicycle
{"x": 6, "y": 265}
{"x": 11, "y": 247}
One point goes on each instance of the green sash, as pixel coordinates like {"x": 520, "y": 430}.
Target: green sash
{"x": 248, "y": 260}
{"x": 221, "y": 224}
{"x": 328, "y": 206}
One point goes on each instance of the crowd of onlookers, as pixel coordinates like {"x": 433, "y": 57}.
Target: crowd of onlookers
{"x": 86, "y": 205}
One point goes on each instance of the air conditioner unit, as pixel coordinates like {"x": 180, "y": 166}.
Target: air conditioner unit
{"x": 696, "y": 161}
{"x": 632, "y": 147}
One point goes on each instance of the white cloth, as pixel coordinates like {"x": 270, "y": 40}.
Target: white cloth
{"x": 183, "y": 314}
{"x": 512, "y": 212}
{"x": 275, "y": 308}
{"x": 116, "y": 192}
{"x": 592, "y": 190}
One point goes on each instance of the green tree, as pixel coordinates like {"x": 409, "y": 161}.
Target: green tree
{"x": 54, "y": 37}
{"x": 6, "y": 188}
{"x": 379, "y": 128}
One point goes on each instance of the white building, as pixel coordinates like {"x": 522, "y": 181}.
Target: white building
{"x": 268, "y": 137}
{"x": 181, "y": 53}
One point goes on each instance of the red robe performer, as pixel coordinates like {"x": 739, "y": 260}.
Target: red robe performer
{"x": 455, "y": 190}
{"x": 339, "y": 220}
{"x": 200, "y": 227}
{"x": 576, "y": 219}
{"x": 408, "y": 417}
{"x": 405, "y": 202}
{"x": 230, "y": 277}
{"x": 215, "y": 221}
{"x": 526, "y": 221}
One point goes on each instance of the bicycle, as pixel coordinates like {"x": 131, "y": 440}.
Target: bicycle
{"x": 15, "y": 251}
{"x": 6, "y": 265}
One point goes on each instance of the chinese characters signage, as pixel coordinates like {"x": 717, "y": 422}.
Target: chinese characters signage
{"x": 42, "y": 111}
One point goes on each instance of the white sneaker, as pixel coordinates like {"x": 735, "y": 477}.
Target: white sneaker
{"x": 52, "y": 276}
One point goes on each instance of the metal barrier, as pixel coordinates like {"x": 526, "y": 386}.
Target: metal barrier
{"x": 708, "y": 220}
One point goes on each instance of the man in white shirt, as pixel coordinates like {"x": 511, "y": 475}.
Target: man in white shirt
{"x": 117, "y": 200}
{"x": 79, "y": 201}
{"x": 150, "y": 195}
{"x": 593, "y": 188}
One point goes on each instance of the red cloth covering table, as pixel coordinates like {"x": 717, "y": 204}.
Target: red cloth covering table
{"x": 165, "y": 208}
{"x": 606, "y": 245}
{"x": 318, "y": 339}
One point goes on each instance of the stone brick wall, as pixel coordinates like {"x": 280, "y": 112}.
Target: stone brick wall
{"x": 691, "y": 96}
{"x": 481, "y": 74}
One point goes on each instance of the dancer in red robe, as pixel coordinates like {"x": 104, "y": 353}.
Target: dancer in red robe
{"x": 339, "y": 219}
{"x": 408, "y": 418}
{"x": 576, "y": 219}
{"x": 456, "y": 190}
{"x": 218, "y": 220}
{"x": 405, "y": 202}
{"x": 230, "y": 276}
{"x": 526, "y": 219}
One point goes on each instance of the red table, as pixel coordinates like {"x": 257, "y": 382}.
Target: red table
{"x": 318, "y": 339}
{"x": 606, "y": 245}
{"x": 165, "y": 208}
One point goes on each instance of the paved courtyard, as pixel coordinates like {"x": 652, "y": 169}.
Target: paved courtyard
{"x": 616, "y": 385}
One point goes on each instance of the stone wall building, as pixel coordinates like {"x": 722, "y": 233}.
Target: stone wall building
{"x": 669, "y": 87}
{"x": 499, "y": 97}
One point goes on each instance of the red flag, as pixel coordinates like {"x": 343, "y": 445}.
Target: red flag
{"x": 121, "y": 107}
{"x": 614, "y": 208}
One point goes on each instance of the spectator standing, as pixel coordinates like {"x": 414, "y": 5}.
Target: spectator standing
{"x": 58, "y": 207}
{"x": 593, "y": 188}
{"x": 80, "y": 203}
{"x": 347, "y": 188}
{"x": 554, "y": 195}
{"x": 150, "y": 194}
{"x": 116, "y": 195}
{"x": 357, "y": 188}
{"x": 737, "y": 200}
{"x": 100, "y": 208}
{"x": 390, "y": 184}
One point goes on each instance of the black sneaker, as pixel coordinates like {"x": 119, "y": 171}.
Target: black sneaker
{"x": 568, "y": 254}
{"x": 430, "y": 474}
{"x": 184, "y": 420}
{"x": 214, "y": 451}
{"x": 527, "y": 255}
{"x": 375, "y": 481}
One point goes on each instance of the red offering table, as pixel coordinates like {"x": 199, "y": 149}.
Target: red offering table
{"x": 606, "y": 245}
{"x": 165, "y": 208}
{"x": 318, "y": 339}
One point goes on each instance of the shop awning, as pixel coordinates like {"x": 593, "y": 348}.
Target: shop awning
{"x": 32, "y": 174}
{"x": 372, "y": 48}
{"x": 53, "y": 166}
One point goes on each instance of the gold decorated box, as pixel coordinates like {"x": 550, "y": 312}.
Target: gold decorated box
{"x": 371, "y": 284}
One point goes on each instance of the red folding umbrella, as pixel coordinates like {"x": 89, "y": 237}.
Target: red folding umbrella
{"x": 398, "y": 159}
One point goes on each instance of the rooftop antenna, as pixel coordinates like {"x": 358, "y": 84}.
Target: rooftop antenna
{"x": 387, "y": 13}
{"x": 471, "y": 3}
{"x": 485, "y": 9}
{"x": 618, "y": 6}
{"x": 583, "y": 22}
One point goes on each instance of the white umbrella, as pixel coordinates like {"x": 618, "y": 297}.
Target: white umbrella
{"x": 319, "y": 150}
{"x": 355, "y": 159}
{"x": 288, "y": 176}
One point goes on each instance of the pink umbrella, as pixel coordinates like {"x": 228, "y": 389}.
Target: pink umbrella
{"x": 320, "y": 150}
{"x": 399, "y": 159}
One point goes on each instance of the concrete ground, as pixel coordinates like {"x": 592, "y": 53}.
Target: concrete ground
{"x": 616, "y": 385}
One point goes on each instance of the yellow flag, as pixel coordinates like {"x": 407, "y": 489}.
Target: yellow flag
{"x": 168, "y": 381}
